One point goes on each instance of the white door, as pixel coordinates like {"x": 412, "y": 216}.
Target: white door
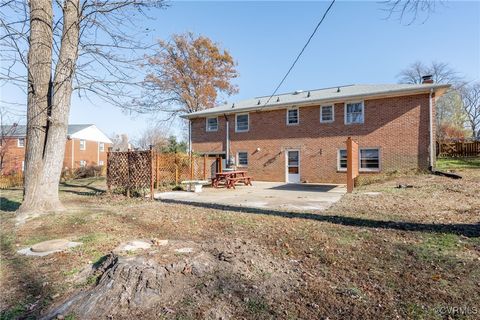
{"x": 293, "y": 166}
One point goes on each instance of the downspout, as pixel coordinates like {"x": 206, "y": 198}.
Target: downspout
{"x": 227, "y": 141}
{"x": 189, "y": 136}
{"x": 432, "y": 146}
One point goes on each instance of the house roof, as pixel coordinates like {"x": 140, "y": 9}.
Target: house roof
{"x": 309, "y": 97}
{"x": 21, "y": 130}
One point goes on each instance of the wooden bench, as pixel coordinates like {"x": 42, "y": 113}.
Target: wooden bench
{"x": 246, "y": 180}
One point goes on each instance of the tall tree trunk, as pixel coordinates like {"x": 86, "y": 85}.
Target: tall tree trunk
{"x": 38, "y": 101}
{"x": 45, "y": 151}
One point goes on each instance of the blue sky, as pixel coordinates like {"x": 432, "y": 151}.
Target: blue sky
{"x": 355, "y": 44}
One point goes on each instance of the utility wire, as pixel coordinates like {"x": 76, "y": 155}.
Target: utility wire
{"x": 301, "y": 52}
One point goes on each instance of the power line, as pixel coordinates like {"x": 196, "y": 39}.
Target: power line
{"x": 301, "y": 52}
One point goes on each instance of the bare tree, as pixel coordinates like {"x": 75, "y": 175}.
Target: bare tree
{"x": 408, "y": 11}
{"x": 155, "y": 137}
{"x": 64, "y": 46}
{"x": 448, "y": 108}
{"x": 441, "y": 73}
{"x": 187, "y": 74}
{"x": 471, "y": 103}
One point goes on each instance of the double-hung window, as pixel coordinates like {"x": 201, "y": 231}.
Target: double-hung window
{"x": 242, "y": 159}
{"x": 212, "y": 124}
{"x": 21, "y": 142}
{"x": 292, "y": 116}
{"x": 369, "y": 159}
{"x": 83, "y": 145}
{"x": 342, "y": 160}
{"x": 101, "y": 147}
{"x": 354, "y": 112}
{"x": 326, "y": 113}
{"x": 241, "y": 122}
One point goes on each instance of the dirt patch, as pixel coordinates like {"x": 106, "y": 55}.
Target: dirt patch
{"x": 157, "y": 282}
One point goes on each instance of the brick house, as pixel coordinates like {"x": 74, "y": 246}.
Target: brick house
{"x": 300, "y": 136}
{"x": 86, "y": 145}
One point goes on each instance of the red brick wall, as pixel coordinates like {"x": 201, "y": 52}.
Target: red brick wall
{"x": 90, "y": 154}
{"x": 398, "y": 126}
{"x": 14, "y": 156}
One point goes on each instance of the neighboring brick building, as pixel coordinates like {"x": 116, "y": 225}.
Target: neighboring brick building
{"x": 300, "y": 137}
{"x": 86, "y": 145}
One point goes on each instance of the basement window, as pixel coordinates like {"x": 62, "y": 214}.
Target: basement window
{"x": 212, "y": 124}
{"x": 83, "y": 145}
{"x": 342, "y": 160}
{"x": 21, "y": 142}
{"x": 83, "y": 163}
{"x": 370, "y": 159}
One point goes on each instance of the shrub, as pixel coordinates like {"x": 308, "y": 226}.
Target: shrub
{"x": 10, "y": 180}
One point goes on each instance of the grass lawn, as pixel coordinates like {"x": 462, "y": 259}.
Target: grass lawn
{"x": 458, "y": 163}
{"x": 379, "y": 253}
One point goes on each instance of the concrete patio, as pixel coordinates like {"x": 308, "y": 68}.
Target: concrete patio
{"x": 264, "y": 195}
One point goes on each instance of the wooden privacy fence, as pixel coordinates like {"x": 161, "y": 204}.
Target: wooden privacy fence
{"x": 458, "y": 149}
{"x": 138, "y": 171}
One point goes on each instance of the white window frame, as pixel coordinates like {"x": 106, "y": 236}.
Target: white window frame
{"x": 238, "y": 159}
{"x": 21, "y": 145}
{"x": 101, "y": 146}
{"x": 345, "y": 112}
{"x": 23, "y": 165}
{"x": 338, "y": 161}
{"x": 360, "y": 169}
{"x": 236, "y": 122}
{"x": 369, "y": 169}
{"x": 100, "y": 163}
{"x": 84, "y": 145}
{"x": 207, "y": 128}
{"x": 298, "y": 116}
{"x": 83, "y": 163}
{"x": 333, "y": 113}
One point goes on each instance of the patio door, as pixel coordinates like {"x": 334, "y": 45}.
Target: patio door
{"x": 292, "y": 166}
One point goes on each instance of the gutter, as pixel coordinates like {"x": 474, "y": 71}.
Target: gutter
{"x": 346, "y": 98}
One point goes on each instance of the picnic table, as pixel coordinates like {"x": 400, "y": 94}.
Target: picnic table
{"x": 229, "y": 178}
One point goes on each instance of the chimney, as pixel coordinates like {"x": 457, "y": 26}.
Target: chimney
{"x": 427, "y": 79}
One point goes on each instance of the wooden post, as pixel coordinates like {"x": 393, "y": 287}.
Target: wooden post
{"x": 204, "y": 167}
{"x": 191, "y": 167}
{"x": 352, "y": 163}
{"x": 176, "y": 174}
{"x": 157, "y": 170}
{"x": 128, "y": 173}
{"x": 152, "y": 176}
{"x": 109, "y": 182}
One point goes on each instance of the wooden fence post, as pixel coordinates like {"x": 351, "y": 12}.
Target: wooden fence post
{"x": 109, "y": 186}
{"x": 157, "y": 169}
{"x": 352, "y": 163}
{"x": 152, "y": 176}
{"x": 191, "y": 167}
{"x": 176, "y": 174}
{"x": 204, "y": 167}
{"x": 128, "y": 173}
